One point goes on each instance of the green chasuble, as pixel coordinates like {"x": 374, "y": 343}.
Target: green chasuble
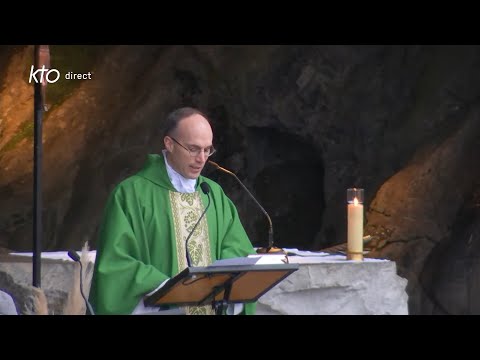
{"x": 143, "y": 231}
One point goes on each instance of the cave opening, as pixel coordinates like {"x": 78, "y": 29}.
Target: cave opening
{"x": 287, "y": 174}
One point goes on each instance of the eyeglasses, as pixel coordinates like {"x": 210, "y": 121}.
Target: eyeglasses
{"x": 194, "y": 151}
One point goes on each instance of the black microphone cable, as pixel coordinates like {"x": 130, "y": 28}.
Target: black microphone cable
{"x": 74, "y": 256}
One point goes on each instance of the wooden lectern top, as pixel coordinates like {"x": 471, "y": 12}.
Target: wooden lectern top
{"x": 199, "y": 286}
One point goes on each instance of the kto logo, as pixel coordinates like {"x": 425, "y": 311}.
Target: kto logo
{"x": 44, "y": 74}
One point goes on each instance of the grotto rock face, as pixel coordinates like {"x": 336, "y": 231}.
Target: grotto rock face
{"x": 416, "y": 215}
{"x": 298, "y": 124}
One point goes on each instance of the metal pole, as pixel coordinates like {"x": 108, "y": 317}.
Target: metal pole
{"x": 41, "y": 57}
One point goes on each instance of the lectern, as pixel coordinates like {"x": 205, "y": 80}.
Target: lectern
{"x": 220, "y": 285}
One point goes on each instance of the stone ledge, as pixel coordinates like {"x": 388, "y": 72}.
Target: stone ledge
{"x": 60, "y": 284}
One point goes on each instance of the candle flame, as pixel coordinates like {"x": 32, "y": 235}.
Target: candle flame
{"x": 355, "y": 201}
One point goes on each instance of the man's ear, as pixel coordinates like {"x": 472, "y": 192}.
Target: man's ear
{"x": 168, "y": 143}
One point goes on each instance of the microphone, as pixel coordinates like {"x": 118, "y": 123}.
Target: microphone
{"x": 206, "y": 190}
{"x": 74, "y": 256}
{"x": 270, "y": 249}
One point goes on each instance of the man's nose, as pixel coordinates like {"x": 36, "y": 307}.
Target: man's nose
{"x": 202, "y": 156}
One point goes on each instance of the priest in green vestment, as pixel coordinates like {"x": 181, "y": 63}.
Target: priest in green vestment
{"x": 149, "y": 215}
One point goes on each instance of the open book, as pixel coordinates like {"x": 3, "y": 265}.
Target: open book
{"x": 253, "y": 260}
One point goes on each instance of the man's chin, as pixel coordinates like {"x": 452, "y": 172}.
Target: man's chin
{"x": 192, "y": 176}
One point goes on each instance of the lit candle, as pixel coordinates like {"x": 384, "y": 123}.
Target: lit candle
{"x": 355, "y": 224}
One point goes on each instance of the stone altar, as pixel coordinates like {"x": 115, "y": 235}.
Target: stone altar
{"x": 332, "y": 285}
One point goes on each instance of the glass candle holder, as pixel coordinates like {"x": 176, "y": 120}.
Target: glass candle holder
{"x": 355, "y": 224}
